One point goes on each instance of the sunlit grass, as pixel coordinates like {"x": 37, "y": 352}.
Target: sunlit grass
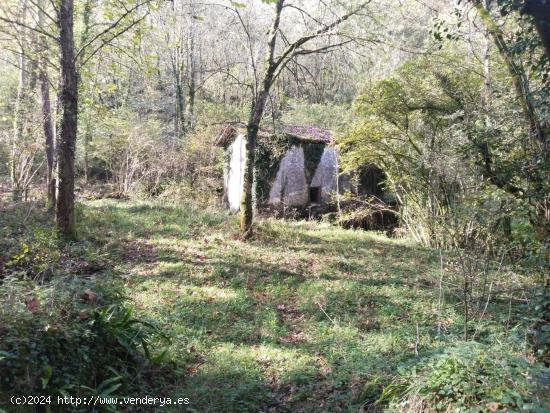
{"x": 301, "y": 318}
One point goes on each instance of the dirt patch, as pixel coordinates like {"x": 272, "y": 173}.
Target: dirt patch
{"x": 295, "y": 338}
{"x": 289, "y": 314}
{"x": 79, "y": 266}
{"x": 138, "y": 251}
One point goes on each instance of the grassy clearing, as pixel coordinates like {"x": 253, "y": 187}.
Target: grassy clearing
{"x": 306, "y": 317}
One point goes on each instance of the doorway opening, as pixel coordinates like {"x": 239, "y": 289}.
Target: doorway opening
{"x": 315, "y": 195}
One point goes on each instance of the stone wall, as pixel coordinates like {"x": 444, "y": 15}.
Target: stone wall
{"x": 290, "y": 185}
{"x": 326, "y": 175}
{"x": 234, "y": 174}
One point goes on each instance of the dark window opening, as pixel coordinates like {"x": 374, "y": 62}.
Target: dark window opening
{"x": 315, "y": 195}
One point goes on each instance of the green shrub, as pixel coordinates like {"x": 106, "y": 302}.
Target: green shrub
{"x": 75, "y": 337}
{"x": 36, "y": 255}
{"x": 471, "y": 377}
{"x": 538, "y": 322}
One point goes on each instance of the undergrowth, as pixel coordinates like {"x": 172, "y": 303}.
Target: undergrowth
{"x": 67, "y": 325}
{"x": 468, "y": 377}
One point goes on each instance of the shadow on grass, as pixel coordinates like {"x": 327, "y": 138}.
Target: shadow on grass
{"x": 299, "y": 319}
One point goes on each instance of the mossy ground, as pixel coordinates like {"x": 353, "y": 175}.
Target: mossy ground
{"x": 305, "y": 317}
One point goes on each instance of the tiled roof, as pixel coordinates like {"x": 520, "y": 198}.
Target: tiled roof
{"x": 306, "y": 133}
{"x": 309, "y": 133}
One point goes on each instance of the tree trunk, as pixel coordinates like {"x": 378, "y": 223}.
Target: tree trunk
{"x": 488, "y": 87}
{"x": 47, "y": 119}
{"x": 537, "y": 135}
{"x": 247, "y": 207}
{"x": 520, "y": 81}
{"x": 65, "y": 218}
{"x": 19, "y": 113}
{"x": 47, "y": 125}
{"x": 84, "y": 38}
{"x": 191, "y": 106}
{"x": 87, "y": 140}
{"x": 180, "y": 105}
{"x": 17, "y": 133}
{"x": 540, "y": 11}
{"x": 192, "y": 69}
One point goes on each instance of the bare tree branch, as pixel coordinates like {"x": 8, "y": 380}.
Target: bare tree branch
{"x": 293, "y": 47}
{"x": 111, "y": 27}
{"x": 26, "y": 26}
{"x": 113, "y": 37}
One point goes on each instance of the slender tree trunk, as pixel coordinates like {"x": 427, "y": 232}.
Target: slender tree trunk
{"x": 87, "y": 140}
{"x": 247, "y": 207}
{"x": 487, "y": 96}
{"x": 191, "y": 106}
{"x": 65, "y": 217}
{"x": 180, "y": 104}
{"x": 47, "y": 125}
{"x": 191, "y": 64}
{"x": 177, "y": 63}
{"x": 47, "y": 119}
{"x": 18, "y": 132}
{"x": 19, "y": 113}
{"x": 84, "y": 38}
{"x": 177, "y": 70}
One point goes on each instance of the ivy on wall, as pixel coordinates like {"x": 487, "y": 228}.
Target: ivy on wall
{"x": 270, "y": 151}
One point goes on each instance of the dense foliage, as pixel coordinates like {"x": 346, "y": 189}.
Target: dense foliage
{"x": 468, "y": 378}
